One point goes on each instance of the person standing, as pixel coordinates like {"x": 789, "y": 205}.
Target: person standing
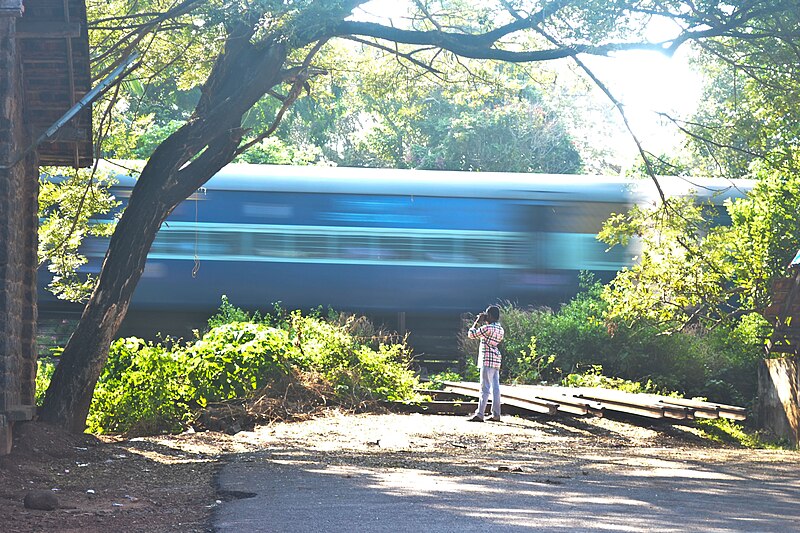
{"x": 487, "y": 328}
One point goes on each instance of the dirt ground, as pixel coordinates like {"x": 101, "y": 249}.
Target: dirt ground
{"x": 167, "y": 483}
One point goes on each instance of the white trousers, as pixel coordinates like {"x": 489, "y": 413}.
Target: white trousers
{"x": 490, "y": 378}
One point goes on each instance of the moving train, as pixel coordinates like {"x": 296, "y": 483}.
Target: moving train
{"x": 384, "y": 240}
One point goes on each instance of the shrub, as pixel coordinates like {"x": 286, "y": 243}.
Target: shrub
{"x": 727, "y": 431}
{"x": 233, "y": 360}
{"x": 384, "y": 373}
{"x": 228, "y": 314}
{"x": 148, "y": 388}
{"x": 142, "y": 390}
{"x": 532, "y": 365}
{"x": 594, "y": 378}
{"x": 357, "y": 371}
{"x": 541, "y": 344}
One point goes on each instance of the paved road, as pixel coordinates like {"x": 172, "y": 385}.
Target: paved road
{"x": 293, "y": 494}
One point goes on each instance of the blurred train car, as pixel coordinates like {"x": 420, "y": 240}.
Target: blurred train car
{"x": 380, "y": 240}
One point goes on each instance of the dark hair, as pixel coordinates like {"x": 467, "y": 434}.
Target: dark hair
{"x": 493, "y": 313}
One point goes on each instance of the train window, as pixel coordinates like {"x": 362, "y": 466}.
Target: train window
{"x": 313, "y": 246}
{"x": 357, "y": 247}
{"x": 483, "y": 251}
{"x": 400, "y": 248}
{"x": 173, "y": 243}
{"x": 584, "y": 217}
{"x": 268, "y": 210}
{"x": 219, "y": 243}
{"x": 438, "y": 250}
{"x": 271, "y": 245}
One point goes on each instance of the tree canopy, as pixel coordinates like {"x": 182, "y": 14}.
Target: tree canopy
{"x": 238, "y": 57}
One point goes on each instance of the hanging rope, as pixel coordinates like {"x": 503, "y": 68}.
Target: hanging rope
{"x": 196, "y": 267}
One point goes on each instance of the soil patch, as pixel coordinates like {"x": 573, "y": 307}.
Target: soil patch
{"x": 166, "y": 483}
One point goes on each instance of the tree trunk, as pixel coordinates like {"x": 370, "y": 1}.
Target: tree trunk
{"x": 241, "y": 76}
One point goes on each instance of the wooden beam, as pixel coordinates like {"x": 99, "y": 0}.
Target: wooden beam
{"x": 35, "y": 29}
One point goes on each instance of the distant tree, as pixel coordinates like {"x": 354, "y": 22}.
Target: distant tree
{"x": 751, "y": 105}
{"x": 505, "y": 133}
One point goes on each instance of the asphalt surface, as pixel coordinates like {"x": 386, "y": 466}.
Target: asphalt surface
{"x": 284, "y": 494}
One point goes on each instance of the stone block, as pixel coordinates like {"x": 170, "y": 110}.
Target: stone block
{"x": 41, "y": 500}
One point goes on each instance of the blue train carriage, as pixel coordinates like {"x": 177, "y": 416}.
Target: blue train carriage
{"x": 387, "y": 240}
{"x": 713, "y": 193}
{"x": 378, "y": 240}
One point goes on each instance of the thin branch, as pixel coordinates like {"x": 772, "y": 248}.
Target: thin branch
{"x": 138, "y": 34}
{"x": 428, "y": 16}
{"x": 620, "y": 108}
{"x": 301, "y": 76}
{"x": 395, "y": 52}
{"x": 677, "y": 123}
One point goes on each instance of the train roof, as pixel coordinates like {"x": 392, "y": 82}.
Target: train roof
{"x": 440, "y": 183}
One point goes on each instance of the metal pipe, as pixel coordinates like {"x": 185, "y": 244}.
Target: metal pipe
{"x": 87, "y": 99}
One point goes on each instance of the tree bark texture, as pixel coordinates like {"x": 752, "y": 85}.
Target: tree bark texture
{"x": 177, "y": 168}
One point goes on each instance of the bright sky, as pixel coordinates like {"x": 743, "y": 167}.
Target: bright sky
{"x": 649, "y": 83}
{"x": 645, "y": 82}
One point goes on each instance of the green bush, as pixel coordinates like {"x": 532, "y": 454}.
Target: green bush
{"x": 142, "y": 390}
{"x": 384, "y": 373}
{"x": 594, "y": 378}
{"x": 356, "y": 370}
{"x": 545, "y": 345}
{"x": 233, "y": 360}
{"x": 436, "y": 381}
{"x": 520, "y": 326}
{"x": 729, "y": 432}
{"x": 227, "y": 313}
{"x": 149, "y": 388}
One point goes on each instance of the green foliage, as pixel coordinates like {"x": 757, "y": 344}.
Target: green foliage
{"x": 521, "y": 329}
{"x": 148, "y": 388}
{"x": 729, "y": 432}
{"x": 594, "y": 378}
{"x": 142, "y": 390}
{"x": 694, "y": 272}
{"x": 532, "y": 365}
{"x": 276, "y": 151}
{"x": 498, "y": 124}
{"x": 234, "y": 360}
{"x": 751, "y": 101}
{"x": 44, "y": 372}
{"x": 376, "y": 375}
{"x": 67, "y": 210}
{"x": 436, "y": 381}
{"x": 718, "y": 364}
{"x": 227, "y": 313}
{"x": 541, "y": 344}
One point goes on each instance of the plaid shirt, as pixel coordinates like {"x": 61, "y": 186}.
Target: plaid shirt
{"x": 490, "y": 336}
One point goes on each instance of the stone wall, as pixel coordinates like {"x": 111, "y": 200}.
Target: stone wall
{"x": 18, "y": 190}
{"x": 779, "y": 397}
